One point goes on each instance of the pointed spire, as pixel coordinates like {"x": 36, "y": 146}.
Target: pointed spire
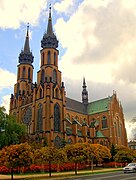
{"x": 84, "y": 84}
{"x": 49, "y": 39}
{"x": 26, "y": 46}
{"x": 26, "y": 56}
{"x": 49, "y": 27}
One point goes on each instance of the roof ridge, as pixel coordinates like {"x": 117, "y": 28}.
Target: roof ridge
{"x": 100, "y": 99}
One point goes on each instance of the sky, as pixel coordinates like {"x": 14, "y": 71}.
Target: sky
{"x": 97, "y": 40}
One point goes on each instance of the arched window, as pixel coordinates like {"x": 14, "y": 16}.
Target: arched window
{"x": 55, "y": 59}
{"x": 27, "y": 116}
{"x": 18, "y": 73}
{"x": 29, "y": 73}
{"x": 54, "y": 76}
{"x": 23, "y": 72}
{"x": 56, "y": 118}
{"x": 57, "y": 141}
{"x": 18, "y": 88}
{"x": 104, "y": 122}
{"x": 39, "y": 127}
{"x": 49, "y": 57}
{"x": 42, "y": 62}
{"x": 70, "y": 141}
{"x": 42, "y": 76}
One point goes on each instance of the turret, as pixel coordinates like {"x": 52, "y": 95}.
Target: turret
{"x": 84, "y": 93}
{"x": 49, "y": 39}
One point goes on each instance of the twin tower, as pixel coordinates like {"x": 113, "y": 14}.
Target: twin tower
{"x": 53, "y": 118}
{"x": 42, "y": 105}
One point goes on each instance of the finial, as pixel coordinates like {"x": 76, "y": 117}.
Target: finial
{"x": 50, "y": 10}
{"x": 27, "y": 30}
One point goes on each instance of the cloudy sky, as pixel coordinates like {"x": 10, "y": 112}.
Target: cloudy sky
{"x": 97, "y": 40}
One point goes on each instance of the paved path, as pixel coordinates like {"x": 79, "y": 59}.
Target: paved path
{"x": 59, "y": 175}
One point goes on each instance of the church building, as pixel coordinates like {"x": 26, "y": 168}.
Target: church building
{"x": 53, "y": 117}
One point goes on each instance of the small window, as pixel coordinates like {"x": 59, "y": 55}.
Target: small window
{"x": 18, "y": 73}
{"x": 49, "y": 58}
{"x": 29, "y": 73}
{"x": 55, "y": 59}
{"x": 23, "y": 73}
{"x": 42, "y": 76}
{"x": 104, "y": 122}
{"x": 42, "y": 63}
{"x": 70, "y": 141}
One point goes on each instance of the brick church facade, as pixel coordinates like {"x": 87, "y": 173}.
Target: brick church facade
{"x": 50, "y": 115}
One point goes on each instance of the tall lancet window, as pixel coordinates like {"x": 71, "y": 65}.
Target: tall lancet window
{"x": 23, "y": 72}
{"x": 27, "y": 118}
{"x": 55, "y": 59}
{"x": 56, "y": 118}
{"x": 39, "y": 127}
{"x": 42, "y": 63}
{"x": 18, "y": 73}
{"x": 49, "y": 57}
{"x": 29, "y": 73}
{"x": 42, "y": 76}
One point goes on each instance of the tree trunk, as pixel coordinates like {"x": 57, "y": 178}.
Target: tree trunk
{"x": 49, "y": 168}
{"x": 12, "y": 173}
{"x": 75, "y": 168}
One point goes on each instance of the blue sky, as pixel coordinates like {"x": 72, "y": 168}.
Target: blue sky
{"x": 97, "y": 39}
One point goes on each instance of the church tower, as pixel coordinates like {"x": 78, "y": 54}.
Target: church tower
{"x": 50, "y": 91}
{"x": 23, "y": 87}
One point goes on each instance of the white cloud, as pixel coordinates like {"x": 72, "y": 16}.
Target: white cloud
{"x": 63, "y": 6}
{"x": 67, "y": 7}
{"x": 6, "y": 102}
{"x": 15, "y": 12}
{"x": 7, "y": 79}
{"x": 99, "y": 41}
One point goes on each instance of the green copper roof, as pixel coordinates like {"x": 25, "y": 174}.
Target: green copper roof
{"x": 99, "y": 106}
{"x": 99, "y": 134}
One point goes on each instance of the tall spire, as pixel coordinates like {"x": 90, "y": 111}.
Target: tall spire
{"x": 49, "y": 27}
{"x": 26, "y": 55}
{"x": 84, "y": 93}
{"x": 26, "y": 46}
{"x": 49, "y": 39}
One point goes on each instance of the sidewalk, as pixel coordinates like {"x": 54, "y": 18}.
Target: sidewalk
{"x": 55, "y": 175}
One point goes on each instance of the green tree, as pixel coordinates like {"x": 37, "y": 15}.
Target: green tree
{"x": 113, "y": 152}
{"x": 14, "y": 156}
{"x": 124, "y": 155}
{"x": 11, "y": 132}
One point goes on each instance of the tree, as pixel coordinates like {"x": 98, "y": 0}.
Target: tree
{"x": 75, "y": 153}
{"x": 14, "y": 156}
{"x": 96, "y": 152}
{"x": 113, "y": 152}
{"x": 11, "y": 132}
{"x": 124, "y": 155}
{"x": 49, "y": 155}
